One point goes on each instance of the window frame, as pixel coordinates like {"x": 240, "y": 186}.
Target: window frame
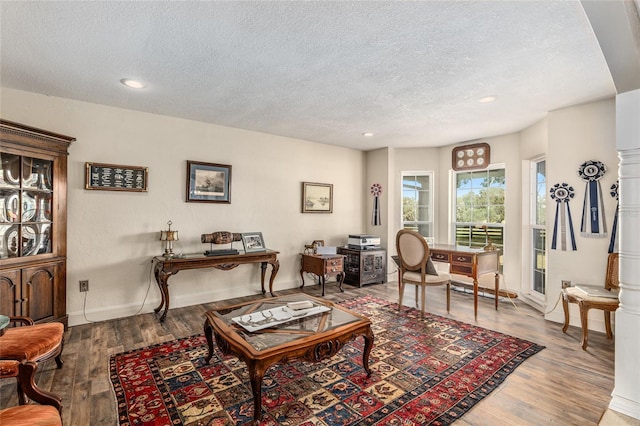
{"x": 535, "y": 226}
{"x": 475, "y": 225}
{"x": 416, "y": 223}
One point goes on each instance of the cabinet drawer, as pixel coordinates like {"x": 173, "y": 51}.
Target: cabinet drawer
{"x": 370, "y": 277}
{"x": 440, "y": 257}
{"x": 334, "y": 266}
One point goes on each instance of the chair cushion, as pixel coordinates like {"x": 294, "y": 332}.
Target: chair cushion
{"x": 30, "y": 415}
{"x": 413, "y": 276}
{"x": 580, "y": 295}
{"x": 31, "y": 342}
{"x": 431, "y": 269}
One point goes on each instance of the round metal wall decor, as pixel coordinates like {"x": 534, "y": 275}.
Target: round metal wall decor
{"x": 471, "y": 157}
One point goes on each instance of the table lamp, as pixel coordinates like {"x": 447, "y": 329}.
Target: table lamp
{"x": 168, "y": 237}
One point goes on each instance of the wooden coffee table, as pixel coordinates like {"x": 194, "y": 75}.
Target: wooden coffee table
{"x": 312, "y": 338}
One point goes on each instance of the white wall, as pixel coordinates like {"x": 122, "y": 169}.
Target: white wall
{"x": 578, "y": 134}
{"x": 112, "y": 236}
{"x": 567, "y": 138}
{"x": 533, "y": 146}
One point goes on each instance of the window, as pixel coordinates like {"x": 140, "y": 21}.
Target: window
{"x": 479, "y": 208}
{"x": 417, "y": 202}
{"x": 538, "y": 226}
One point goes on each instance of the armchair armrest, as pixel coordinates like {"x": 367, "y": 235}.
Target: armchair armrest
{"x": 22, "y": 320}
{"x": 26, "y": 378}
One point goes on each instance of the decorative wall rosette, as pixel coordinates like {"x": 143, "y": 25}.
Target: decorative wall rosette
{"x": 562, "y": 193}
{"x": 376, "y": 191}
{"x": 614, "y": 227}
{"x": 593, "y": 219}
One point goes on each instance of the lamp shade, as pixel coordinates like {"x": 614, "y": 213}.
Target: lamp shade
{"x": 169, "y": 236}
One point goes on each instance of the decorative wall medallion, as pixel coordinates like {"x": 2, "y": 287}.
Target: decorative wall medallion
{"x": 471, "y": 157}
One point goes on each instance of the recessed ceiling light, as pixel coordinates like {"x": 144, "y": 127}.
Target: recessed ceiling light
{"x": 367, "y": 134}
{"x": 487, "y": 99}
{"x": 134, "y": 84}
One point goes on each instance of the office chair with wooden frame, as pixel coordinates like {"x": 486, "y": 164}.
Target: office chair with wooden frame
{"x": 413, "y": 252}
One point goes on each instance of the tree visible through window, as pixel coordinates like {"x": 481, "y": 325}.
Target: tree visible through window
{"x": 417, "y": 202}
{"x": 479, "y": 208}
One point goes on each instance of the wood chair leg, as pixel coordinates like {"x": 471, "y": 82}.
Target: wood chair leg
{"x": 448, "y": 296}
{"x": 423, "y": 301}
{"x": 607, "y": 324}
{"x": 565, "y": 308}
{"x": 584, "y": 319}
{"x": 416, "y": 296}
{"x": 400, "y": 294}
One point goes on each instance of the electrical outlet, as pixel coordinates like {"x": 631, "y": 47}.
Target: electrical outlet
{"x": 566, "y": 283}
{"x": 84, "y": 285}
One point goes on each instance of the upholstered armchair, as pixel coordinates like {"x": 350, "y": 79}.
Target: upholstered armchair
{"x": 46, "y": 414}
{"x": 32, "y": 342}
{"x": 415, "y": 267}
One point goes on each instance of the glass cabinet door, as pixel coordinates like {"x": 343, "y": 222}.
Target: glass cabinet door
{"x": 26, "y": 200}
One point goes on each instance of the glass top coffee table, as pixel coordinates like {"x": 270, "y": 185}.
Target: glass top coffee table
{"x": 284, "y": 329}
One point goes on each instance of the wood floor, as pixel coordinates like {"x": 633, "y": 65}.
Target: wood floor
{"x": 561, "y": 385}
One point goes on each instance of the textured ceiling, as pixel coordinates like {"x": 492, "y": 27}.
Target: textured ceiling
{"x": 410, "y": 72}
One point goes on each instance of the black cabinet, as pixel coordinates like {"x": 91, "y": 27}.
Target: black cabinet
{"x": 364, "y": 266}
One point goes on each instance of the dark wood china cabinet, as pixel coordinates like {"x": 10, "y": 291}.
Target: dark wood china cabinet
{"x": 33, "y": 222}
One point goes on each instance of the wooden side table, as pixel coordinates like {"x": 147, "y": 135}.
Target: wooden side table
{"x": 323, "y": 265}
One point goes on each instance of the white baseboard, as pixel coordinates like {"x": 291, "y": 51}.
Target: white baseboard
{"x": 177, "y": 301}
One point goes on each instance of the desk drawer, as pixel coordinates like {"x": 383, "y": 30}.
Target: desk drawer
{"x": 457, "y": 268}
{"x": 439, "y": 256}
{"x": 461, "y": 258}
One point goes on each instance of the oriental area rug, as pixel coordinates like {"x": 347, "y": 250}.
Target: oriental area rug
{"x": 426, "y": 371}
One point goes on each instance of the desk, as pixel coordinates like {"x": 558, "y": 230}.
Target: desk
{"x": 471, "y": 263}
{"x": 164, "y": 268}
{"x": 323, "y": 265}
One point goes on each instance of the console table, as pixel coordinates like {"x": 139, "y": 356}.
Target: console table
{"x": 166, "y": 267}
{"x": 471, "y": 263}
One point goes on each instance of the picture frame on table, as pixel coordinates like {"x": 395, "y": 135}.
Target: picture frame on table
{"x": 317, "y": 197}
{"x": 208, "y": 182}
{"x": 253, "y": 242}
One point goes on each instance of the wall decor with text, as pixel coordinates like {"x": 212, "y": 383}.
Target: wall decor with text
{"x": 114, "y": 177}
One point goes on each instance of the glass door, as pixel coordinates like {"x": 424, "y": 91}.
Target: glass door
{"x": 26, "y": 200}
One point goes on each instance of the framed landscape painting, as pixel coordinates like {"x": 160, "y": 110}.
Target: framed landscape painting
{"x": 317, "y": 197}
{"x": 208, "y": 182}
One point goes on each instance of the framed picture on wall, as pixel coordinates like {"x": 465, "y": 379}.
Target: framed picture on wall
{"x": 317, "y": 197}
{"x": 208, "y": 182}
